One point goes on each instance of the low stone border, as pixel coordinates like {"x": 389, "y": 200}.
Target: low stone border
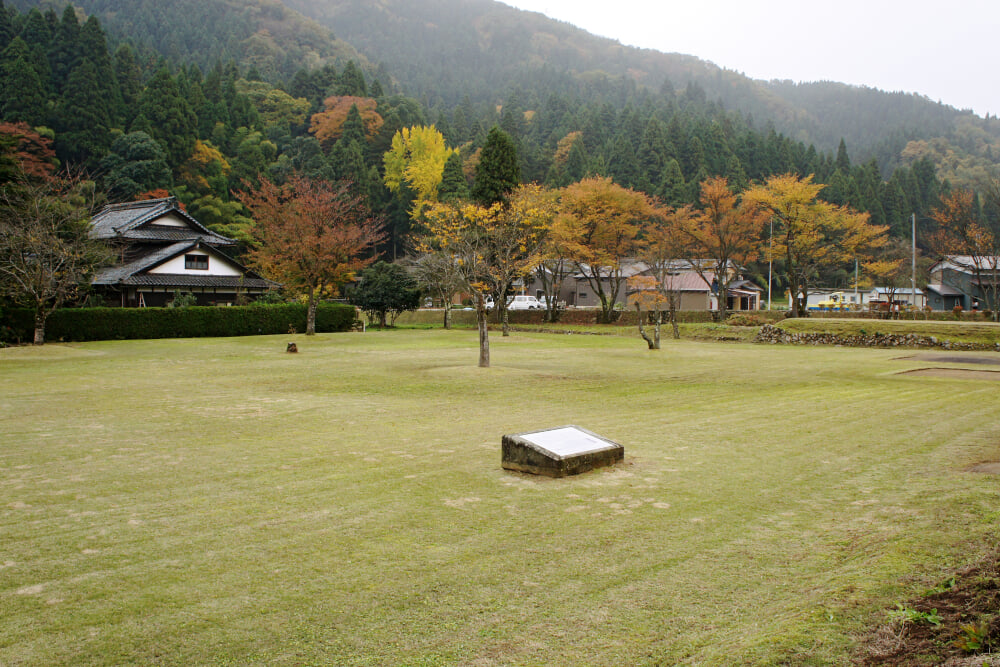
{"x": 775, "y": 335}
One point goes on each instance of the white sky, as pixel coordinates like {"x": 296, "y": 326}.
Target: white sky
{"x": 948, "y": 51}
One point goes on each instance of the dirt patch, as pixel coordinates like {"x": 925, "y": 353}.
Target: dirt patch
{"x": 986, "y": 467}
{"x": 945, "y": 359}
{"x": 955, "y": 373}
{"x": 950, "y": 623}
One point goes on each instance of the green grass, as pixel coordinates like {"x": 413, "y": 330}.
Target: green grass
{"x": 965, "y": 332}
{"x": 218, "y": 501}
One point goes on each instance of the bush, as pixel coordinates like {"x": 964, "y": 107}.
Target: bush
{"x": 80, "y": 324}
{"x": 957, "y": 311}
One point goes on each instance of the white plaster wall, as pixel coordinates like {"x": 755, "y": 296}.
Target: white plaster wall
{"x": 171, "y": 220}
{"x": 217, "y": 266}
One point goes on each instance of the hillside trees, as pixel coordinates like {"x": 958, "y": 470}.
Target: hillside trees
{"x": 499, "y": 171}
{"x": 418, "y": 157}
{"x": 310, "y": 235}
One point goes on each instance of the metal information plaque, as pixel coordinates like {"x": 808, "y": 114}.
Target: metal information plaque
{"x": 558, "y": 452}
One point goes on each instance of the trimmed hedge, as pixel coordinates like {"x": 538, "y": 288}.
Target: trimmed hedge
{"x": 80, "y": 324}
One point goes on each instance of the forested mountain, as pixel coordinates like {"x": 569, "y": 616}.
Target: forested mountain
{"x": 443, "y": 50}
{"x": 263, "y": 34}
{"x": 201, "y": 99}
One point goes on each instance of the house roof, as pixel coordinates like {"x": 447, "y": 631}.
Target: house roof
{"x": 966, "y": 263}
{"x": 137, "y": 221}
{"x": 944, "y": 290}
{"x": 135, "y": 273}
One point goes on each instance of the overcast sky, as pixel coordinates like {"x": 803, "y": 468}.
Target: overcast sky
{"x": 947, "y": 51}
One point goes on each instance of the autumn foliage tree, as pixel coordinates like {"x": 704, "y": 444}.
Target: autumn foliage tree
{"x": 492, "y": 246}
{"x": 605, "y": 219}
{"x": 726, "y": 231}
{"x": 418, "y": 156}
{"x": 310, "y": 235}
{"x": 971, "y": 243}
{"x": 810, "y": 233}
{"x": 327, "y": 125}
{"x": 667, "y": 250}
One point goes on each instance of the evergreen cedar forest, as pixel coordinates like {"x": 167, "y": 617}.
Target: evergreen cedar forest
{"x": 202, "y": 100}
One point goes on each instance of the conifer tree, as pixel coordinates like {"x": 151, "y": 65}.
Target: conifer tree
{"x": 499, "y": 171}
{"x": 23, "y": 94}
{"x": 83, "y": 119}
{"x": 453, "y": 184}
{"x": 171, "y": 121}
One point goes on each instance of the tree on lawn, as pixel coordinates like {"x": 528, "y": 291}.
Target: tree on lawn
{"x": 310, "y": 235}
{"x": 492, "y": 247}
{"x": 667, "y": 251}
{"x": 559, "y": 246}
{"x": 810, "y": 234}
{"x": 973, "y": 245}
{"x": 46, "y": 255}
{"x": 440, "y": 274}
{"x": 605, "y": 219}
{"x": 384, "y": 291}
{"x": 727, "y": 233}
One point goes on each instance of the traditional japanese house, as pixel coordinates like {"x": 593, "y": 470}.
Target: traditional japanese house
{"x": 162, "y": 250}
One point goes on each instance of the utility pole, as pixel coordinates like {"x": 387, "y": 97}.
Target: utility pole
{"x": 770, "y": 262}
{"x": 913, "y": 264}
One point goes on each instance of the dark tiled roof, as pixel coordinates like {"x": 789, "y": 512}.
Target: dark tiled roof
{"x": 178, "y": 280}
{"x": 117, "y": 274}
{"x": 944, "y": 290}
{"x": 134, "y": 273}
{"x": 136, "y": 220}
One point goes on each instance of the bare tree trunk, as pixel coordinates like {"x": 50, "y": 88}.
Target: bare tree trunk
{"x": 311, "y": 314}
{"x": 40, "y": 326}
{"x": 503, "y": 318}
{"x": 723, "y": 303}
{"x": 484, "y": 332}
{"x": 653, "y": 344}
{"x": 447, "y": 315}
{"x": 656, "y": 328}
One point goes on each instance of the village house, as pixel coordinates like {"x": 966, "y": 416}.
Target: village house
{"x": 160, "y": 250}
{"x": 962, "y": 280}
{"x": 698, "y": 291}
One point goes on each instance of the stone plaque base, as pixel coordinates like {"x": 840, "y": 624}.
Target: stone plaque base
{"x": 558, "y": 452}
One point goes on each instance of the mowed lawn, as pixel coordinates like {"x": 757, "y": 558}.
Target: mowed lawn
{"x": 219, "y": 501}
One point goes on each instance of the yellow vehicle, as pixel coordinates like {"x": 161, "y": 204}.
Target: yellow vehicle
{"x": 836, "y": 301}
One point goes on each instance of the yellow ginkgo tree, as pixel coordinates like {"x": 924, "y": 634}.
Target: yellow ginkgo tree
{"x": 417, "y": 157}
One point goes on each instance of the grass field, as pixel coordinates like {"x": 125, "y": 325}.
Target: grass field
{"x": 217, "y": 501}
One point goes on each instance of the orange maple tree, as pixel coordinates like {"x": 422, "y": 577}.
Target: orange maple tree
{"x": 328, "y": 124}
{"x": 725, "y": 235}
{"x": 311, "y": 235}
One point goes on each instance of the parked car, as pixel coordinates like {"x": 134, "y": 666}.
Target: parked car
{"x": 524, "y": 302}
{"x": 543, "y": 301}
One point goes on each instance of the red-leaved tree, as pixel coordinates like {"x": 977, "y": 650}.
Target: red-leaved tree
{"x": 310, "y": 235}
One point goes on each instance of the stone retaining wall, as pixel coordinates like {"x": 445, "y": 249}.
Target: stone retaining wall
{"x": 776, "y": 335}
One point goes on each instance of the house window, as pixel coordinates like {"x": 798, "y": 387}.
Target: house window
{"x": 199, "y": 262}
{"x": 583, "y": 295}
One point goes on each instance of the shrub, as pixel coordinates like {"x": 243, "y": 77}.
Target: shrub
{"x": 80, "y": 324}
{"x": 957, "y": 311}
